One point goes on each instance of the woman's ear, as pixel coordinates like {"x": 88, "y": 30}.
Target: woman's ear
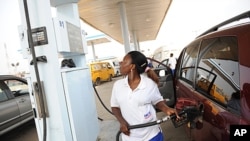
{"x": 132, "y": 66}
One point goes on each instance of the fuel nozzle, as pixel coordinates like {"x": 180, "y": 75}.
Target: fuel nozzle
{"x": 187, "y": 114}
{"x": 183, "y": 118}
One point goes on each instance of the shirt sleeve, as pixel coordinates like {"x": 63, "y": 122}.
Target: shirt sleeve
{"x": 156, "y": 95}
{"x": 113, "y": 100}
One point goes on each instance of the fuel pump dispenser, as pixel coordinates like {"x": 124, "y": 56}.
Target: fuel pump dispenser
{"x": 62, "y": 97}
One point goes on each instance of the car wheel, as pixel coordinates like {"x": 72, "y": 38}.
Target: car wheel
{"x": 98, "y": 81}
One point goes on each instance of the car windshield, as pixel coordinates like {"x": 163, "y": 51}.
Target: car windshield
{"x": 17, "y": 87}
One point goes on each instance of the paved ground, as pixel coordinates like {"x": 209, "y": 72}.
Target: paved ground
{"x": 108, "y": 124}
{"x": 27, "y": 132}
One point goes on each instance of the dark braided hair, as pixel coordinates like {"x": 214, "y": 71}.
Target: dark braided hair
{"x": 139, "y": 60}
{"x": 141, "y": 63}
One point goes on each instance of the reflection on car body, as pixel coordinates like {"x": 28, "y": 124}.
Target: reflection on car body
{"x": 210, "y": 70}
{"x": 15, "y": 104}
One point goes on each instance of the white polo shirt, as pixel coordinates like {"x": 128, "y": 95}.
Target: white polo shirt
{"x": 137, "y": 106}
{"x": 172, "y": 62}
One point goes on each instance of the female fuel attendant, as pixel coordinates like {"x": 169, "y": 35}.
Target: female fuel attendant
{"x": 135, "y": 97}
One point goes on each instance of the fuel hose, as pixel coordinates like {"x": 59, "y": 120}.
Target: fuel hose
{"x": 98, "y": 96}
{"x": 39, "y": 85}
{"x": 146, "y": 125}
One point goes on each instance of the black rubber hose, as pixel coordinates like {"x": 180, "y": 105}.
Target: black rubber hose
{"x": 143, "y": 125}
{"x": 102, "y": 101}
{"x": 31, "y": 46}
{"x": 100, "y": 119}
{"x": 136, "y": 126}
{"x": 147, "y": 124}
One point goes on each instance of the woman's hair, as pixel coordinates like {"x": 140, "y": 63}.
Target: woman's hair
{"x": 141, "y": 65}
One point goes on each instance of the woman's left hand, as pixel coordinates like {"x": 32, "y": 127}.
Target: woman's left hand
{"x": 167, "y": 110}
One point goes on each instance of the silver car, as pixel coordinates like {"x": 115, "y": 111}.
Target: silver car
{"x": 15, "y": 104}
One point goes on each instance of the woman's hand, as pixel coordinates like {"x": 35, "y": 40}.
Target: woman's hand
{"x": 171, "y": 111}
{"x": 124, "y": 128}
{"x": 167, "y": 110}
{"x": 123, "y": 123}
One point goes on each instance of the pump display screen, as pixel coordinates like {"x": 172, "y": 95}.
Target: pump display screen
{"x": 39, "y": 36}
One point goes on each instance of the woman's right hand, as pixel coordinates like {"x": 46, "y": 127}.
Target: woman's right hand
{"x": 124, "y": 128}
{"x": 123, "y": 123}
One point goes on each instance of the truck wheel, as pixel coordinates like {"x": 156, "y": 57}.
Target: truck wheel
{"x": 110, "y": 78}
{"x": 98, "y": 81}
{"x": 117, "y": 73}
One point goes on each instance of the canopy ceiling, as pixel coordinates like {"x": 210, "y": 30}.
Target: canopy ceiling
{"x": 144, "y": 17}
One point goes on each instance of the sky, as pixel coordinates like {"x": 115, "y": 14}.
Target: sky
{"x": 185, "y": 20}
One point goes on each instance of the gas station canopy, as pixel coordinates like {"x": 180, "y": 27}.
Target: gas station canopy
{"x": 97, "y": 39}
{"x": 144, "y": 17}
